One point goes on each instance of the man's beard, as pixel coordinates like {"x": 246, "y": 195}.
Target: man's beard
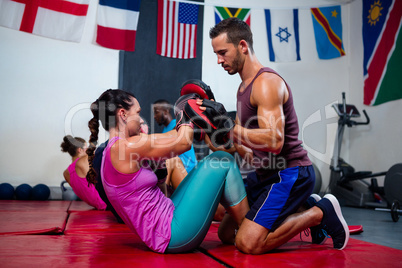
{"x": 235, "y": 64}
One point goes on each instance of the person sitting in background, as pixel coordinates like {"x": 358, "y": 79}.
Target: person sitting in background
{"x": 76, "y": 172}
{"x": 177, "y": 167}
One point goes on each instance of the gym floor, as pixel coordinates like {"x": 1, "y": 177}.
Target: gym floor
{"x": 378, "y": 226}
{"x": 72, "y": 234}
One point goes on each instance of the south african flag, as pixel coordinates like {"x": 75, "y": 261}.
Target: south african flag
{"x": 222, "y": 13}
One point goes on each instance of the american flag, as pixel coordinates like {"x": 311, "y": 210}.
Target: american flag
{"x": 177, "y": 29}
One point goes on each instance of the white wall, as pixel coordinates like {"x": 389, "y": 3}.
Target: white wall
{"x": 47, "y": 84}
{"x": 316, "y": 84}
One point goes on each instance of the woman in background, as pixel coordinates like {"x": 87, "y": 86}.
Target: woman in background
{"x": 76, "y": 172}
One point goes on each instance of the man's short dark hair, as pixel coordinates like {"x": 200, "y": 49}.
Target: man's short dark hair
{"x": 236, "y": 30}
{"x": 164, "y": 104}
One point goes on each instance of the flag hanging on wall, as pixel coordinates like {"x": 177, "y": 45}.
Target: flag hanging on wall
{"x": 283, "y": 34}
{"x": 177, "y": 29}
{"x": 117, "y": 23}
{"x": 57, "y": 19}
{"x": 382, "y": 41}
{"x": 327, "y": 25}
{"x": 222, "y": 13}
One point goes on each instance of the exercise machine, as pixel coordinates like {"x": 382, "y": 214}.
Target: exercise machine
{"x": 395, "y": 211}
{"x": 350, "y": 186}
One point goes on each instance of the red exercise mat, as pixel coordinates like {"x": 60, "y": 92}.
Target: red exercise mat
{"x": 355, "y": 229}
{"x": 119, "y": 250}
{"x": 32, "y": 222}
{"x": 80, "y": 206}
{"x": 27, "y": 205}
{"x": 300, "y": 252}
{"x": 92, "y": 222}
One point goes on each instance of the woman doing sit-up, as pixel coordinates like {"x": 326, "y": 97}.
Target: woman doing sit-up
{"x": 76, "y": 172}
{"x": 165, "y": 225}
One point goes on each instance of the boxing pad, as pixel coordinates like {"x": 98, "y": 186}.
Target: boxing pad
{"x": 198, "y": 87}
{"x": 181, "y": 118}
{"x": 214, "y": 120}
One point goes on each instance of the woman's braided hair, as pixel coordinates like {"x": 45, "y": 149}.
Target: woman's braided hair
{"x": 104, "y": 109}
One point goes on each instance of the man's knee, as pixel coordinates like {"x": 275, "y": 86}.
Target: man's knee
{"x": 252, "y": 238}
{"x": 249, "y": 246}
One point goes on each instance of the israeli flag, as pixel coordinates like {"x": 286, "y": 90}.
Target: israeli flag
{"x": 283, "y": 34}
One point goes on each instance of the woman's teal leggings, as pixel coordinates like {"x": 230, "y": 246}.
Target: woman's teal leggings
{"x": 215, "y": 179}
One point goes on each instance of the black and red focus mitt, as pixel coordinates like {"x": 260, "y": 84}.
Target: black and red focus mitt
{"x": 198, "y": 87}
{"x": 181, "y": 118}
{"x": 192, "y": 89}
{"x": 213, "y": 121}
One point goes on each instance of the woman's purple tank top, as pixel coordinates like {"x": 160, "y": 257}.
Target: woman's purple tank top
{"x": 292, "y": 153}
{"x": 139, "y": 202}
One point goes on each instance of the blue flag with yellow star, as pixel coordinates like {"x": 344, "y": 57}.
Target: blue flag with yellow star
{"x": 327, "y": 24}
{"x": 283, "y": 34}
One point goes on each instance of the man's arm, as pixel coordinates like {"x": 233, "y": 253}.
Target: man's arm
{"x": 268, "y": 95}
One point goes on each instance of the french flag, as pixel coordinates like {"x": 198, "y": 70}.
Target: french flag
{"x": 117, "y": 23}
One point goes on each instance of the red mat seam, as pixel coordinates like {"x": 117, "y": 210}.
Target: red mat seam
{"x": 215, "y": 258}
{"x": 50, "y": 231}
{"x": 68, "y": 208}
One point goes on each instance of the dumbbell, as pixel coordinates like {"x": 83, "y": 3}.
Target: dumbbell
{"x": 395, "y": 211}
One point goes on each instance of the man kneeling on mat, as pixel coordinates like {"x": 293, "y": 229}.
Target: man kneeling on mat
{"x": 266, "y": 133}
